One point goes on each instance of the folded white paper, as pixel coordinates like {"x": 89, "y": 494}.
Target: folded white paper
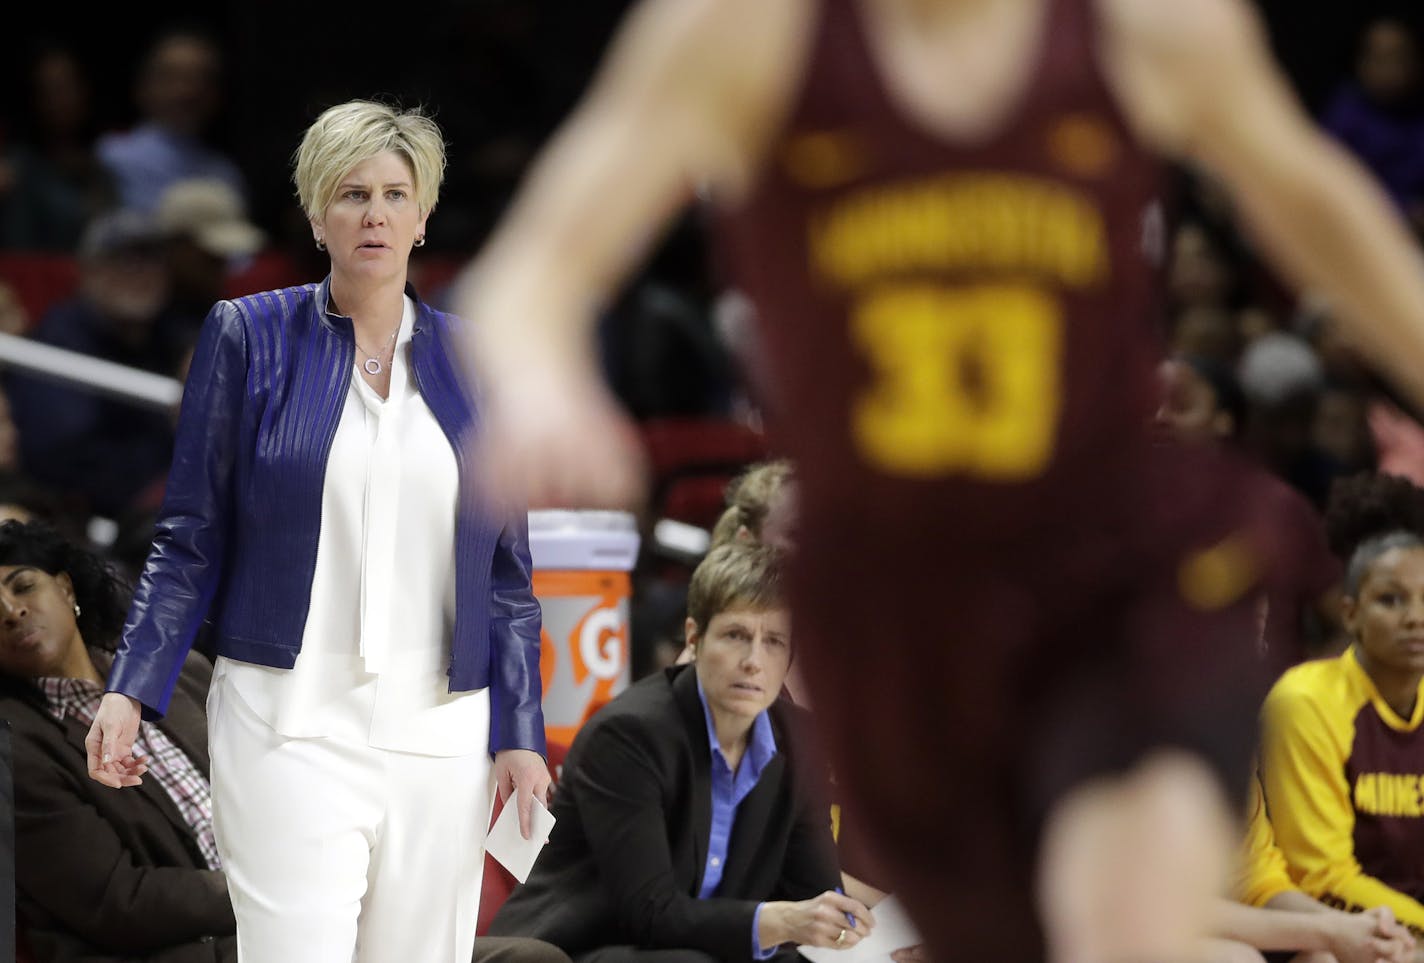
{"x": 893, "y": 931}
{"x": 513, "y": 851}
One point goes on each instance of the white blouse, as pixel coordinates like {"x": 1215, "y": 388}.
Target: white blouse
{"x": 376, "y": 646}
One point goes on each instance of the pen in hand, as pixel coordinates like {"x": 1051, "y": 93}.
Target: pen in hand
{"x": 850, "y": 917}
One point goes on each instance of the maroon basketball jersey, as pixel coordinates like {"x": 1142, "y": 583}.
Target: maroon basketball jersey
{"x": 959, "y": 334}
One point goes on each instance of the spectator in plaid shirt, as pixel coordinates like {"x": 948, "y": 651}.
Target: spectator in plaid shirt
{"x": 101, "y": 875}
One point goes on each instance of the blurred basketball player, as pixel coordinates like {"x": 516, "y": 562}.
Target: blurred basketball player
{"x": 1031, "y": 623}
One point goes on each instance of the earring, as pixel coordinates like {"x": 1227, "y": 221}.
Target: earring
{"x": 420, "y": 240}
{"x": 76, "y": 610}
{"x": 321, "y": 244}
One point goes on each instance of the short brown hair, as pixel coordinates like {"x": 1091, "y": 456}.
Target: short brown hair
{"x": 733, "y": 575}
{"x": 749, "y": 498}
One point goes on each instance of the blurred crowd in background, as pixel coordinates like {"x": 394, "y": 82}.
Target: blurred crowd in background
{"x": 144, "y": 175}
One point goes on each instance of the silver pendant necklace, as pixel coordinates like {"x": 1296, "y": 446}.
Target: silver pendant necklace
{"x": 372, "y": 363}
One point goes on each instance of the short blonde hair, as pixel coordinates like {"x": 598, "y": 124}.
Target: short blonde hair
{"x": 347, "y": 134}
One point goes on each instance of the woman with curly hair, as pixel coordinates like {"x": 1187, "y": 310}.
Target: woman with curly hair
{"x": 101, "y": 875}
{"x": 1342, "y": 758}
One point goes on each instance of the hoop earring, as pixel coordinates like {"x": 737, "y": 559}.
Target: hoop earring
{"x": 320, "y": 244}
{"x": 420, "y": 241}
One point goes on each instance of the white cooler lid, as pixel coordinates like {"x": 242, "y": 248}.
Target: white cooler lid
{"x": 583, "y": 540}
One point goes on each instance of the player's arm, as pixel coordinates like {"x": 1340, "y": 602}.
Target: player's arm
{"x": 1347, "y": 936}
{"x": 1198, "y": 82}
{"x": 1312, "y": 814}
{"x": 688, "y": 91}
{"x": 676, "y": 106}
{"x": 1262, "y": 874}
{"x": 1278, "y": 916}
{"x": 1294, "y": 901}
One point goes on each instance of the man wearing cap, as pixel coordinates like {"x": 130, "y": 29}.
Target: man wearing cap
{"x": 207, "y": 230}
{"x": 97, "y": 450}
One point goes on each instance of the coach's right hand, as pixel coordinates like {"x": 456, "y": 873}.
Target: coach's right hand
{"x": 815, "y": 922}
{"x": 109, "y": 744}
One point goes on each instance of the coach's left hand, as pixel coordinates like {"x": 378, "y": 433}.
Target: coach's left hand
{"x": 524, "y": 772}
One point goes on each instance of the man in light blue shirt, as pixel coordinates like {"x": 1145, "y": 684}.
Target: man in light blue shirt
{"x": 178, "y": 93}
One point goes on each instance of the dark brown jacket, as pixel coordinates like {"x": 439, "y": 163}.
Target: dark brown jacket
{"x": 111, "y": 874}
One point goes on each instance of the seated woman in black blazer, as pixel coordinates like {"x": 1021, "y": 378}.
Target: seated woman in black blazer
{"x": 689, "y": 828}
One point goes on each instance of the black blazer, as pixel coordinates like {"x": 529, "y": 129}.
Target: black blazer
{"x": 111, "y": 874}
{"x": 624, "y": 863}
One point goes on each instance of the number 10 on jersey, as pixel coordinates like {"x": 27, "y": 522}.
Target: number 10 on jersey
{"x": 966, "y": 381}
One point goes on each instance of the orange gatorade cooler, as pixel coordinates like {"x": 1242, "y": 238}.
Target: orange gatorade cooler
{"x": 581, "y": 565}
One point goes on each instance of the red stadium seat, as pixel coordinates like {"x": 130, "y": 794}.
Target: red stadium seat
{"x": 692, "y": 459}
{"x": 431, "y": 274}
{"x": 267, "y": 271}
{"x": 40, "y": 279}
{"x": 678, "y": 445}
{"x": 698, "y": 500}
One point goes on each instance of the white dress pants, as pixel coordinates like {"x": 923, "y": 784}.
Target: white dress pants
{"x": 336, "y": 851}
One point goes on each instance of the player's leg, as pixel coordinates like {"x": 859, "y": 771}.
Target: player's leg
{"x": 916, "y": 701}
{"x": 1131, "y": 862}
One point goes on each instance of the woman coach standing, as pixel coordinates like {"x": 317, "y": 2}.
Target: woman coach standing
{"x": 377, "y": 633}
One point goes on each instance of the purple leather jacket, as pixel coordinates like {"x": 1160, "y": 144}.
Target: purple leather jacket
{"x": 237, "y": 536}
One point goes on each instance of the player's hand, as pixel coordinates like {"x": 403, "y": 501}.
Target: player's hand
{"x": 523, "y": 774}
{"x": 911, "y": 954}
{"x": 551, "y": 436}
{"x": 109, "y": 745}
{"x": 821, "y": 921}
{"x": 1406, "y": 947}
{"x": 1370, "y": 937}
{"x": 1388, "y": 926}
{"x": 1355, "y": 939}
